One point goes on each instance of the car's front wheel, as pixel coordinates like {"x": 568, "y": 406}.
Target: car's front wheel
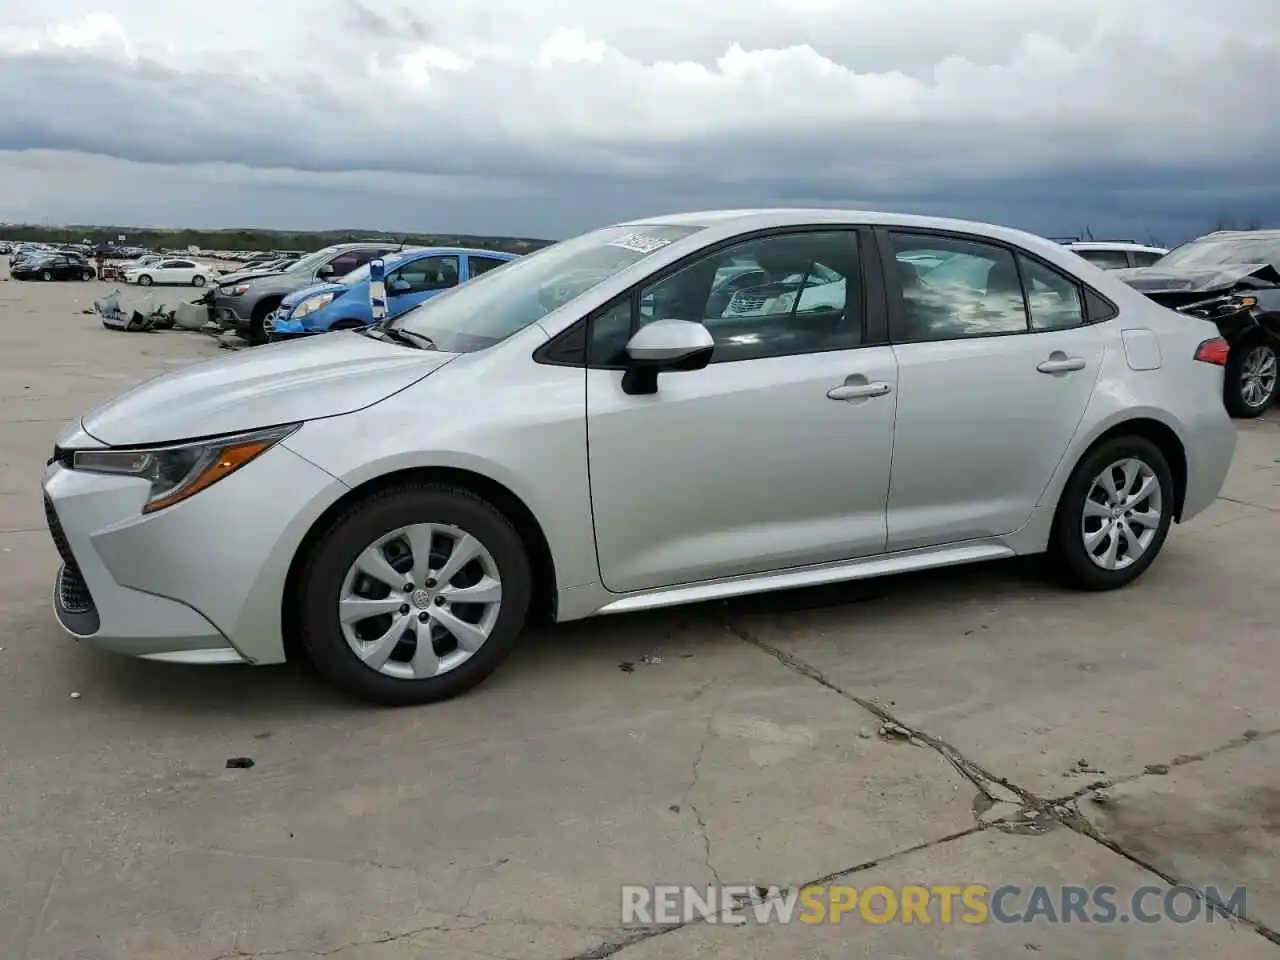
{"x": 414, "y": 594}
{"x": 198, "y": 280}
{"x": 87, "y": 275}
{"x": 1114, "y": 514}
{"x": 1250, "y": 378}
{"x": 144, "y": 280}
{"x": 46, "y": 275}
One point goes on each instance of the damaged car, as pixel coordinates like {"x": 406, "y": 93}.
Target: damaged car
{"x": 1233, "y": 279}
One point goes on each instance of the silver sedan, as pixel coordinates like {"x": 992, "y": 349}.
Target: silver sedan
{"x": 672, "y": 410}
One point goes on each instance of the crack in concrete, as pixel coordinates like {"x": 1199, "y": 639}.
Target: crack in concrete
{"x": 610, "y": 947}
{"x": 444, "y": 926}
{"x": 697, "y": 814}
{"x": 994, "y": 789}
{"x": 1073, "y": 819}
{"x": 1246, "y": 503}
{"x": 1163, "y": 769}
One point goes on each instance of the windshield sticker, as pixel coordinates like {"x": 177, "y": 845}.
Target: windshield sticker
{"x": 639, "y": 243}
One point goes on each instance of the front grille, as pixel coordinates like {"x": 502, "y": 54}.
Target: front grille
{"x": 73, "y": 593}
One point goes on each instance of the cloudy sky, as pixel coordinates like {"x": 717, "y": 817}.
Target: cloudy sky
{"x": 545, "y": 117}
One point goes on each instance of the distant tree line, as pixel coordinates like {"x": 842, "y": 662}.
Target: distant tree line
{"x": 307, "y": 241}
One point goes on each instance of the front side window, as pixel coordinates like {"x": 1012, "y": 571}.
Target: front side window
{"x": 420, "y": 276}
{"x": 953, "y": 288}
{"x": 476, "y": 316}
{"x": 769, "y": 297}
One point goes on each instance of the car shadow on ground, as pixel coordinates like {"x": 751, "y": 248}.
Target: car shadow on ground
{"x": 610, "y": 646}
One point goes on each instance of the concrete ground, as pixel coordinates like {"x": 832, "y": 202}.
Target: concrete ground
{"x": 970, "y": 727}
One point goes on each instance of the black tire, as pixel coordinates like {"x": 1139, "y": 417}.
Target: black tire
{"x": 46, "y": 275}
{"x": 1233, "y": 382}
{"x": 326, "y": 566}
{"x": 256, "y": 333}
{"x": 87, "y": 275}
{"x": 1068, "y": 557}
{"x": 198, "y": 280}
{"x": 144, "y": 280}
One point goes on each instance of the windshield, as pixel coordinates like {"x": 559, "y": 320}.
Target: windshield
{"x": 1224, "y": 251}
{"x": 311, "y": 262}
{"x": 500, "y": 303}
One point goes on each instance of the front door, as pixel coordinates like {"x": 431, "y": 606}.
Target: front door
{"x": 419, "y": 280}
{"x": 992, "y": 385}
{"x": 775, "y": 455}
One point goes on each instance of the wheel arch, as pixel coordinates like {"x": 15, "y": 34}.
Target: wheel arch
{"x": 543, "y": 606}
{"x": 1157, "y": 432}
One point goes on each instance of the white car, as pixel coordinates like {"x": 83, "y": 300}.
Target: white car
{"x": 1117, "y": 254}
{"x": 186, "y": 272}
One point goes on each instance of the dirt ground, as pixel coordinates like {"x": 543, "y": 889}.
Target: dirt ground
{"x": 968, "y": 727}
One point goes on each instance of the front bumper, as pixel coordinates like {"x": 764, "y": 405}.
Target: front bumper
{"x": 199, "y": 582}
{"x": 286, "y": 329}
{"x": 225, "y": 313}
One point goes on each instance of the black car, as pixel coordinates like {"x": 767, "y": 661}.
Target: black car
{"x": 1232, "y": 278}
{"x": 58, "y": 266}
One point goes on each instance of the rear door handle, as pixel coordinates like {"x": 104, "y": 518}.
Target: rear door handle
{"x": 1061, "y": 364}
{"x": 858, "y": 391}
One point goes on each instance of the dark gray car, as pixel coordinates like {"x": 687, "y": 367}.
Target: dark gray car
{"x": 242, "y": 301}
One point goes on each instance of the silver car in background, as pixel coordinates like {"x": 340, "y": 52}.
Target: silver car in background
{"x": 649, "y": 414}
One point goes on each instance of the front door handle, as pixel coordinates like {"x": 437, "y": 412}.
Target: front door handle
{"x": 1059, "y": 362}
{"x": 858, "y": 391}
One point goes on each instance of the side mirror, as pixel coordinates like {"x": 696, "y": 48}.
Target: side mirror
{"x": 665, "y": 346}
{"x": 325, "y": 272}
{"x": 399, "y": 286}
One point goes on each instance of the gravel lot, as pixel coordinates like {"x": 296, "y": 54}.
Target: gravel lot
{"x": 736, "y": 742}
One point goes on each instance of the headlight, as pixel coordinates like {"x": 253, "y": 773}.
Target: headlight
{"x": 182, "y": 470}
{"x": 311, "y": 305}
{"x": 238, "y": 290}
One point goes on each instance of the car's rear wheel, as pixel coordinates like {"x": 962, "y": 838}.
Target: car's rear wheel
{"x": 198, "y": 280}
{"x": 87, "y": 275}
{"x": 414, "y": 594}
{"x": 1114, "y": 514}
{"x": 46, "y": 275}
{"x": 1250, "y": 378}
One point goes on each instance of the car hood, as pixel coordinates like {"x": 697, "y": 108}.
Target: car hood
{"x": 242, "y": 276}
{"x": 286, "y": 382}
{"x": 295, "y": 298}
{"x": 1157, "y": 279}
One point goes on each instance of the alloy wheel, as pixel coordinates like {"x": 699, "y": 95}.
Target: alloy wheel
{"x": 1258, "y": 375}
{"x": 1121, "y": 514}
{"x": 420, "y": 601}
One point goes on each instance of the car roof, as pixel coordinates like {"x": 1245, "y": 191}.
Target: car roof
{"x": 740, "y": 221}
{"x": 1115, "y": 245}
{"x": 1269, "y": 234}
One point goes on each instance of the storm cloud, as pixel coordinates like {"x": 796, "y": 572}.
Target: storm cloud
{"x": 1134, "y": 117}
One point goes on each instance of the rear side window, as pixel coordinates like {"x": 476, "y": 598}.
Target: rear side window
{"x": 1145, "y": 258}
{"x": 1053, "y": 300}
{"x": 482, "y": 265}
{"x": 1106, "y": 259}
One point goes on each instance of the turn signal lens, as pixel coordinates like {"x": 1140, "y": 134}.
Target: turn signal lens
{"x": 1213, "y": 351}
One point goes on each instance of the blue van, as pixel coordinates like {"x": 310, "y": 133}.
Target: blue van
{"x": 412, "y": 276}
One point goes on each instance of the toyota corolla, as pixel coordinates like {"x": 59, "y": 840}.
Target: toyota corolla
{"x": 589, "y": 430}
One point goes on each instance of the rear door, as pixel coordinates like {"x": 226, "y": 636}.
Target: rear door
{"x": 996, "y": 365}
